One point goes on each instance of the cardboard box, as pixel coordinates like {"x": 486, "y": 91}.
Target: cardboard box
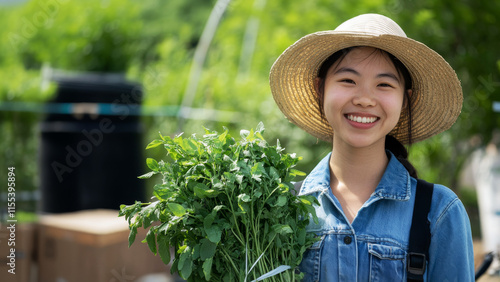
{"x": 21, "y": 261}
{"x": 92, "y": 245}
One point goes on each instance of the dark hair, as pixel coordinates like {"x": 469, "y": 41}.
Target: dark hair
{"x": 391, "y": 143}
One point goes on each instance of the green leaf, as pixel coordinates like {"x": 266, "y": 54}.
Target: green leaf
{"x": 196, "y": 252}
{"x": 207, "y": 268}
{"x": 212, "y": 193}
{"x": 243, "y": 202}
{"x": 218, "y": 208}
{"x": 282, "y": 200}
{"x": 202, "y": 191}
{"x": 259, "y": 169}
{"x": 131, "y": 235}
{"x": 164, "y": 138}
{"x": 282, "y": 229}
{"x": 130, "y": 211}
{"x": 273, "y": 172}
{"x": 187, "y": 268}
{"x": 260, "y": 127}
{"x": 154, "y": 143}
{"x": 123, "y": 210}
{"x": 148, "y": 214}
{"x": 244, "y": 197}
{"x": 193, "y": 145}
{"x": 147, "y": 175}
{"x": 176, "y": 209}
{"x": 207, "y": 249}
{"x": 301, "y": 237}
{"x": 152, "y": 164}
{"x": 244, "y": 133}
{"x": 199, "y": 192}
{"x": 163, "y": 228}
{"x": 161, "y": 192}
{"x": 295, "y": 172}
{"x": 208, "y": 220}
{"x": 163, "y": 248}
{"x": 214, "y": 233}
{"x": 223, "y": 136}
{"x": 278, "y": 242}
{"x": 305, "y": 201}
{"x": 175, "y": 267}
{"x": 185, "y": 263}
{"x": 239, "y": 178}
{"x": 151, "y": 240}
{"x": 184, "y": 253}
{"x": 257, "y": 194}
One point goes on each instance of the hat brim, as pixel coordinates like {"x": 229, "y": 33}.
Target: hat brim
{"x": 436, "y": 99}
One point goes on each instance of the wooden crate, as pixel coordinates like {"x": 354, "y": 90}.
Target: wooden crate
{"x": 92, "y": 245}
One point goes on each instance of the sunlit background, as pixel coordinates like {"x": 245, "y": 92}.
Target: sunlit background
{"x": 86, "y": 85}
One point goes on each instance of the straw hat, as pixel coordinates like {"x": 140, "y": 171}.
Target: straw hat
{"x": 436, "y": 100}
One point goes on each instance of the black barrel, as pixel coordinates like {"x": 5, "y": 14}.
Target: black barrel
{"x": 91, "y": 145}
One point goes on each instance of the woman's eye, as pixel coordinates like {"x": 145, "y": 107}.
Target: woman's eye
{"x": 347, "y": 80}
{"x": 385, "y": 85}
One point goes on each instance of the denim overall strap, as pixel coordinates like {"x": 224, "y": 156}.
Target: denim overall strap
{"x": 420, "y": 234}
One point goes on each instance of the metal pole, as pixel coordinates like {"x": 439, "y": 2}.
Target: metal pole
{"x": 249, "y": 41}
{"x": 199, "y": 59}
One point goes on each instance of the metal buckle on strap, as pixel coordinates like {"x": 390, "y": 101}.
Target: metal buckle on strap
{"x": 416, "y": 263}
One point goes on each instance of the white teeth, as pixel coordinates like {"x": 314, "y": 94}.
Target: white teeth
{"x": 362, "y": 119}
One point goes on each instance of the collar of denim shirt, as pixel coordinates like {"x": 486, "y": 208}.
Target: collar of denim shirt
{"x": 394, "y": 185}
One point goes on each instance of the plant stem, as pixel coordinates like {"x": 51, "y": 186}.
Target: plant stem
{"x": 234, "y": 217}
{"x": 228, "y": 258}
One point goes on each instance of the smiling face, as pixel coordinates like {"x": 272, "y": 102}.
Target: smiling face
{"x": 362, "y": 97}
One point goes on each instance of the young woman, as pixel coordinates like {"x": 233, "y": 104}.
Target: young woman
{"x": 369, "y": 90}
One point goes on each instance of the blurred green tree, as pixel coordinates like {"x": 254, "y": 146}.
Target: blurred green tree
{"x": 93, "y": 35}
{"x": 466, "y": 34}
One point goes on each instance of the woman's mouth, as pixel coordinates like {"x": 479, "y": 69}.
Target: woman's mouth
{"x": 361, "y": 119}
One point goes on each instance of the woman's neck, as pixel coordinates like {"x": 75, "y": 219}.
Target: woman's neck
{"x": 355, "y": 174}
{"x": 358, "y": 165}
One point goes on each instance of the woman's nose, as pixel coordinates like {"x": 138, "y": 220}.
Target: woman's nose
{"x": 364, "y": 98}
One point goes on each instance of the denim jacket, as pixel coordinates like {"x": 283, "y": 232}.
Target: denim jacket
{"x": 374, "y": 246}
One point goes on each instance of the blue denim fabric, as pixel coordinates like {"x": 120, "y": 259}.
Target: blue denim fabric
{"x": 374, "y": 246}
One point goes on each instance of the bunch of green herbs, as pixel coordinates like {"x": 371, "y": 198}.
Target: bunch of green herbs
{"x": 227, "y": 207}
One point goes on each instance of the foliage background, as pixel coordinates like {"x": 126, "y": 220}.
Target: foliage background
{"x": 153, "y": 42}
